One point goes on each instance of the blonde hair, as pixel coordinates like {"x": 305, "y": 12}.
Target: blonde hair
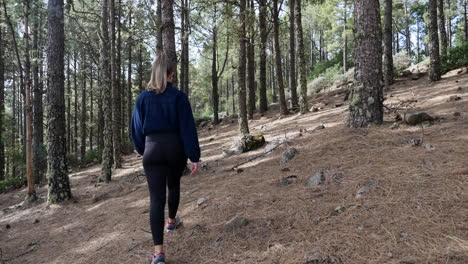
{"x": 159, "y": 73}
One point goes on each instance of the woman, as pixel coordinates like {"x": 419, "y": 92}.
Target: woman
{"x": 164, "y": 132}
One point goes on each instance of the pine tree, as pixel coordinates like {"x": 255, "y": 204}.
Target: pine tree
{"x": 304, "y": 106}
{"x": 57, "y": 175}
{"x": 366, "y": 106}
{"x": 262, "y": 20}
{"x": 243, "y": 122}
{"x": 279, "y": 69}
{"x": 434, "y": 63}
{"x": 388, "y": 39}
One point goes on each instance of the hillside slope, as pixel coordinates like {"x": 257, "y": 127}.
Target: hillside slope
{"x": 383, "y": 200}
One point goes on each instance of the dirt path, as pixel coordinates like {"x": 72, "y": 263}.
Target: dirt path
{"x": 410, "y": 207}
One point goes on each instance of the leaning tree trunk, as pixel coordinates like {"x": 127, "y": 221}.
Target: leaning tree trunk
{"x": 304, "y": 106}
{"x": 279, "y": 69}
{"x": 243, "y": 122}
{"x": 292, "y": 56}
{"x": 107, "y": 151}
{"x": 443, "y": 33}
{"x": 28, "y": 106}
{"x": 168, "y": 32}
{"x": 388, "y": 39}
{"x": 116, "y": 104}
{"x": 434, "y": 63}
{"x": 263, "y": 56}
{"x": 366, "y": 106}
{"x": 58, "y": 182}
{"x": 2, "y": 108}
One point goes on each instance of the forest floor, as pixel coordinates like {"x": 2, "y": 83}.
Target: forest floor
{"x": 384, "y": 200}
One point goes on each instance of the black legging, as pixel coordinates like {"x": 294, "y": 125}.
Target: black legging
{"x": 164, "y": 162}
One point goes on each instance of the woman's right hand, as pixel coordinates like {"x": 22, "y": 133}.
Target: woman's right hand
{"x": 195, "y": 166}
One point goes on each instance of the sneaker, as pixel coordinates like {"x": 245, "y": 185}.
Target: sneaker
{"x": 170, "y": 227}
{"x": 158, "y": 259}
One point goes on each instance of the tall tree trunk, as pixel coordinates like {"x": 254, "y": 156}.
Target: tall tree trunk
{"x": 366, "y": 105}
{"x": 407, "y": 29}
{"x": 168, "y": 32}
{"x": 465, "y": 18}
{"x": 38, "y": 127}
{"x": 345, "y": 40}
{"x": 2, "y": 108}
{"x": 91, "y": 109}
{"x": 226, "y": 105}
{"x": 116, "y": 104}
{"x": 418, "y": 48}
{"x": 182, "y": 53}
{"x": 83, "y": 110}
{"x": 69, "y": 131}
{"x": 302, "y": 60}
{"x": 292, "y": 56}
{"x": 233, "y": 95}
{"x": 107, "y": 152}
{"x": 140, "y": 68}
{"x": 251, "y": 61}
{"x": 449, "y": 23}
{"x": 186, "y": 48}
{"x": 129, "y": 73}
{"x": 434, "y": 63}
{"x": 214, "y": 72}
{"x": 75, "y": 88}
{"x": 388, "y": 39}
{"x": 443, "y": 33}
{"x": 100, "y": 132}
{"x": 14, "y": 128}
{"x": 243, "y": 122}
{"x": 279, "y": 70}
{"x": 263, "y": 56}
{"x": 159, "y": 33}
{"x": 28, "y": 106}
{"x": 57, "y": 175}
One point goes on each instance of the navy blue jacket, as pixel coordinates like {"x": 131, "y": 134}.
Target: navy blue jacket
{"x": 166, "y": 112}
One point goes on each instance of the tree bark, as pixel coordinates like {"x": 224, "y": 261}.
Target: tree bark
{"x": 243, "y": 122}
{"x": 366, "y": 105}
{"x": 407, "y": 29}
{"x": 214, "y": 72}
{"x": 465, "y": 18}
{"x": 292, "y": 56}
{"x": 129, "y": 73}
{"x": 57, "y": 175}
{"x": 2, "y": 108}
{"x": 279, "y": 70}
{"x": 345, "y": 40}
{"x": 186, "y": 48}
{"x": 75, "y": 77}
{"x": 91, "y": 109}
{"x": 116, "y": 104}
{"x": 69, "y": 131}
{"x": 168, "y": 32}
{"x": 388, "y": 39}
{"x": 159, "y": 33}
{"x": 263, "y": 56}
{"x": 83, "y": 110}
{"x": 304, "y": 106}
{"x": 107, "y": 152}
{"x": 251, "y": 61}
{"x": 28, "y": 106}
{"x": 434, "y": 63}
{"x": 443, "y": 32}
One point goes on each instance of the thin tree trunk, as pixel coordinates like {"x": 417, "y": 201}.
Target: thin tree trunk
{"x": 233, "y": 95}
{"x": 366, "y": 105}
{"x": 83, "y": 110}
{"x": 407, "y": 29}
{"x": 75, "y": 135}
{"x": 129, "y": 74}
{"x": 251, "y": 61}
{"x": 14, "y": 131}
{"x": 186, "y": 48}
{"x": 345, "y": 44}
{"x": 116, "y": 114}
{"x": 168, "y": 32}
{"x": 69, "y": 131}
{"x": 434, "y": 63}
{"x": 91, "y": 110}
{"x": 214, "y": 72}
{"x": 57, "y": 175}
{"x": 304, "y": 106}
{"x": 465, "y": 18}
{"x": 449, "y": 24}
{"x": 100, "y": 132}
{"x": 418, "y": 48}
{"x": 279, "y": 71}
{"x": 292, "y": 56}
{"x": 387, "y": 39}
{"x": 107, "y": 152}
{"x": 182, "y": 37}
{"x": 263, "y": 56}
{"x": 140, "y": 68}
{"x": 443, "y": 33}
{"x": 159, "y": 33}
{"x": 243, "y": 122}
{"x": 28, "y": 106}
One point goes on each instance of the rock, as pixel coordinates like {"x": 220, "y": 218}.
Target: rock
{"x": 457, "y": 114}
{"x": 284, "y": 181}
{"x": 414, "y": 118}
{"x": 460, "y": 171}
{"x": 428, "y": 146}
{"x": 204, "y": 166}
{"x": 454, "y": 98}
{"x": 316, "y": 179}
{"x": 235, "y": 149}
{"x": 239, "y": 170}
{"x": 362, "y": 191}
{"x": 201, "y": 201}
{"x": 235, "y": 223}
{"x": 245, "y": 144}
{"x": 314, "y": 109}
{"x": 320, "y": 127}
{"x": 218, "y": 241}
{"x": 338, "y": 210}
{"x": 395, "y": 125}
{"x": 338, "y": 105}
{"x": 404, "y": 234}
{"x": 390, "y": 254}
{"x": 36, "y": 221}
{"x": 459, "y": 89}
{"x": 8, "y": 226}
{"x": 288, "y": 155}
{"x": 272, "y": 145}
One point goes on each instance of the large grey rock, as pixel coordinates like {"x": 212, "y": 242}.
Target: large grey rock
{"x": 272, "y": 145}
{"x": 316, "y": 179}
{"x": 415, "y": 118}
{"x": 235, "y": 223}
{"x": 235, "y": 149}
{"x": 288, "y": 155}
